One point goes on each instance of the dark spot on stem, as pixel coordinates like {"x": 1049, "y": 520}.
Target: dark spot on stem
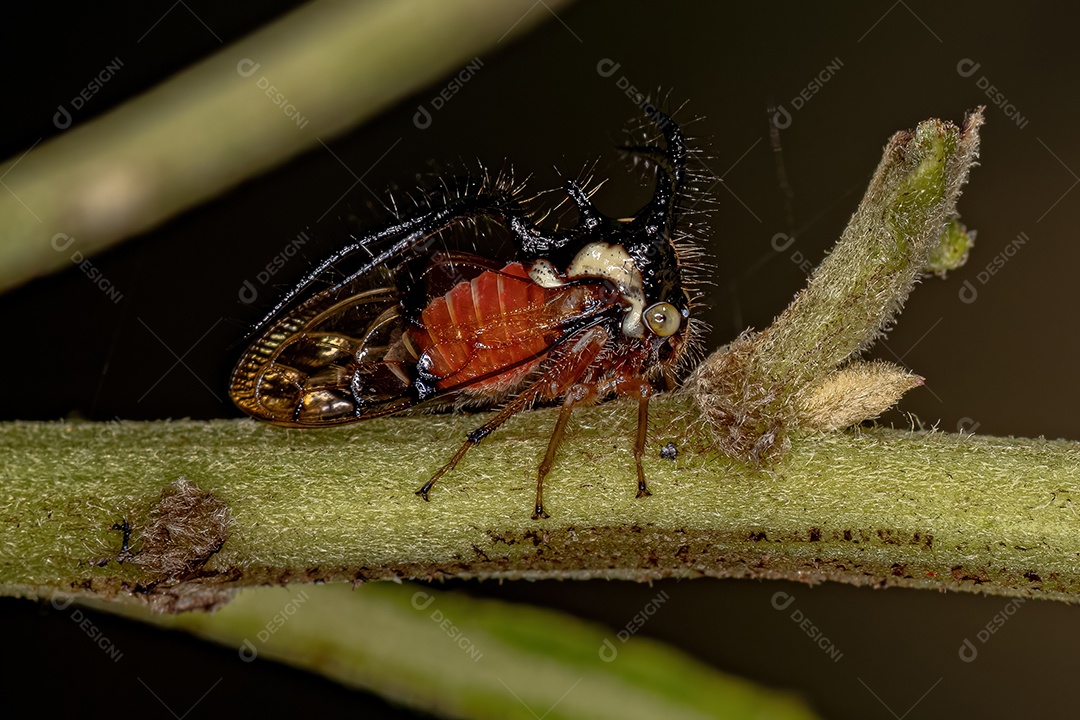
{"x": 537, "y": 537}
{"x": 887, "y": 537}
{"x": 186, "y": 527}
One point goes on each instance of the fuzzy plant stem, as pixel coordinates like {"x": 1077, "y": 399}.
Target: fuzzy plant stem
{"x": 178, "y": 515}
{"x": 802, "y": 371}
{"x": 267, "y": 505}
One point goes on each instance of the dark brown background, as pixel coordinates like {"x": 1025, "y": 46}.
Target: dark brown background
{"x": 1001, "y": 365}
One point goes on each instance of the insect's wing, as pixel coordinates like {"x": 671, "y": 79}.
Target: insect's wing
{"x": 352, "y": 352}
{"x": 323, "y": 362}
{"x": 317, "y": 357}
{"x": 400, "y": 243}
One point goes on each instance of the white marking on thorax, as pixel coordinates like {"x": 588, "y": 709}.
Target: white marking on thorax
{"x": 612, "y": 262}
{"x": 544, "y": 274}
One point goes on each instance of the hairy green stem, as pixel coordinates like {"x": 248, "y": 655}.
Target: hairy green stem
{"x": 802, "y": 371}
{"x": 885, "y": 247}
{"x": 881, "y": 507}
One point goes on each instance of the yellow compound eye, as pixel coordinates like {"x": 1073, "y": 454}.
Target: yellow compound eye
{"x": 663, "y": 319}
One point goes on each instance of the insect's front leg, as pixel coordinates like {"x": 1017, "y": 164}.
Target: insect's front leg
{"x": 578, "y": 393}
{"x": 568, "y": 370}
{"x": 642, "y": 390}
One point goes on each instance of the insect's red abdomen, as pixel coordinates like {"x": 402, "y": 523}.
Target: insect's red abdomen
{"x": 496, "y": 320}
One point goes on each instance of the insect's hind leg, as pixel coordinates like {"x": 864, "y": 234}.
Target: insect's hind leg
{"x": 521, "y": 402}
{"x": 423, "y": 491}
{"x": 561, "y": 380}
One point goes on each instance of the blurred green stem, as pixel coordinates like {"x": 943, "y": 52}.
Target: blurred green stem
{"x": 292, "y": 85}
{"x": 455, "y": 656}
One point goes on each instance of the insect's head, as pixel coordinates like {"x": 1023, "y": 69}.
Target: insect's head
{"x": 639, "y": 255}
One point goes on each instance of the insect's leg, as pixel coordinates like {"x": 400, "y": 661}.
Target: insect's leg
{"x": 641, "y": 389}
{"x": 563, "y": 380}
{"x": 577, "y": 393}
{"x": 566, "y": 369}
{"x": 639, "y": 443}
{"x": 423, "y": 491}
{"x": 590, "y": 216}
{"x": 521, "y": 402}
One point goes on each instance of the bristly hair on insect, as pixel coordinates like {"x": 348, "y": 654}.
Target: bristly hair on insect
{"x": 427, "y": 310}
